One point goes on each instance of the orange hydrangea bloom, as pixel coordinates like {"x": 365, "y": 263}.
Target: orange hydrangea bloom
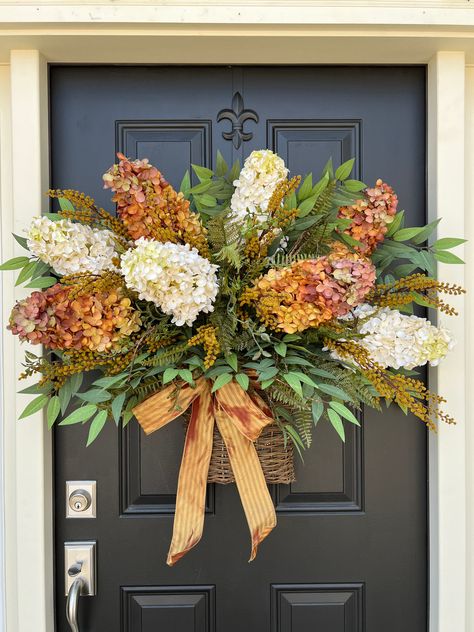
{"x": 150, "y": 207}
{"x": 312, "y": 291}
{"x": 371, "y": 215}
{"x": 95, "y": 322}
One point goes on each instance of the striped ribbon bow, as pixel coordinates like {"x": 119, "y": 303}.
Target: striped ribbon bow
{"x": 240, "y": 419}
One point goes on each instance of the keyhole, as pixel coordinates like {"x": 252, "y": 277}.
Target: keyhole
{"x": 80, "y": 500}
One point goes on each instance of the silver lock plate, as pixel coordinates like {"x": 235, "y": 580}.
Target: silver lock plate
{"x": 80, "y": 561}
{"x": 81, "y": 499}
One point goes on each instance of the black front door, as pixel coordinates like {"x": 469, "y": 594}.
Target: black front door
{"x": 349, "y": 553}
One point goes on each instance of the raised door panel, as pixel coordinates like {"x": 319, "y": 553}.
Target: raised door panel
{"x": 180, "y": 608}
{"x": 318, "y": 608}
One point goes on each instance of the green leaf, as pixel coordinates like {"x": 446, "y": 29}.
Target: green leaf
{"x": 232, "y": 361}
{"x": 96, "y": 426}
{"x": 42, "y": 282}
{"x": 329, "y": 169}
{"x": 79, "y": 415}
{"x": 291, "y": 337}
{"x": 396, "y": 224}
{"x": 221, "y": 381}
{"x": 266, "y": 383}
{"x": 201, "y": 188}
{"x": 21, "y": 240}
{"x": 53, "y": 410}
{"x": 36, "y": 404}
{"x": 207, "y": 200}
{"x": 185, "y": 184}
{"x": 169, "y": 375}
{"x": 41, "y": 268}
{"x": 344, "y": 412}
{"x": 187, "y": 376}
{"x": 292, "y": 380}
{"x": 405, "y": 234}
{"x": 336, "y": 422}
{"x": 106, "y": 382}
{"x": 427, "y": 231}
{"x": 304, "y": 378}
{"x": 320, "y": 186}
{"x": 317, "y": 408}
{"x": 76, "y": 382}
{"x": 344, "y": 171}
{"x": 322, "y": 373}
{"x": 335, "y": 391}
{"x": 217, "y": 370}
{"x": 446, "y": 243}
{"x": 305, "y": 189}
{"x": 37, "y": 389}
{"x": 443, "y": 256}
{"x": 306, "y": 206}
{"x": 297, "y": 360}
{"x": 281, "y": 348}
{"x": 221, "y": 166}
{"x": 117, "y": 406}
{"x": 14, "y": 264}
{"x": 295, "y": 436}
{"x": 95, "y": 396}
{"x": 234, "y": 172}
{"x": 403, "y": 270}
{"x": 26, "y": 273}
{"x": 243, "y": 380}
{"x": 54, "y": 217}
{"x": 354, "y": 186}
{"x": 203, "y": 173}
{"x": 268, "y": 374}
{"x": 65, "y": 205}
{"x": 304, "y": 223}
{"x": 64, "y": 395}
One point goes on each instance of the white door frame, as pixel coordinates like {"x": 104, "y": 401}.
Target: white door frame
{"x": 200, "y": 34}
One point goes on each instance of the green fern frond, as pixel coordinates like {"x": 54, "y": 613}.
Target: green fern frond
{"x": 303, "y": 421}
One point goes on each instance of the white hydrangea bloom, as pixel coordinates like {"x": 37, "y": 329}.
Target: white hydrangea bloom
{"x": 173, "y": 276}
{"x": 261, "y": 173}
{"x": 70, "y": 247}
{"x": 400, "y": 340}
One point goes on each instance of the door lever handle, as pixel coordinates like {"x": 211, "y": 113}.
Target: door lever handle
{"x": 72, "y": 603}
{"x": 80, "y": 577}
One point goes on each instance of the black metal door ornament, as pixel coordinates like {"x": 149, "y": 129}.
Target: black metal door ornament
{"x": 238, "y": 115}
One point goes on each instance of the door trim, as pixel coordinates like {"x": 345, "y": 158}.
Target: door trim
{"x": 27, "y": 490}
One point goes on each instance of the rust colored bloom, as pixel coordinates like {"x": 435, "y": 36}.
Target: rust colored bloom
{"x": 311, "y": 292}
{"x": 95, "y": 322}
{"x": 371, "y": 215}
{"x": 150, "y": 207}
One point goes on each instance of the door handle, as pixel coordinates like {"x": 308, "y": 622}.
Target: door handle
{"x": 72, "y": 603}
{"x": 80, "y": 577}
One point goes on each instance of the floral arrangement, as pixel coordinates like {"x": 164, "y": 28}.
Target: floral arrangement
{"x": 249, "y": 295}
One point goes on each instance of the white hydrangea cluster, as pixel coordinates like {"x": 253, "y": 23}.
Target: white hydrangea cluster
{"x": 70, "y": 247}
{"x": 173, "y": 276}
{"x": 261, "y": 173}
{"x": 400, "y": 340}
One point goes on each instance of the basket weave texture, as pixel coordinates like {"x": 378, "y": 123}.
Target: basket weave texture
{"x": 276, "y": 459}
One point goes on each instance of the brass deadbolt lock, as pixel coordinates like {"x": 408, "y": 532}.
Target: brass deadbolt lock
{"x": 80, "y": 500}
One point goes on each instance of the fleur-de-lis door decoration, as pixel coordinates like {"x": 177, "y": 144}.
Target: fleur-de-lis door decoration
{"x": 238, "y": 115}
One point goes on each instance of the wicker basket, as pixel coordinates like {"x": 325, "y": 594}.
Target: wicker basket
{"x": 276, "y": 459}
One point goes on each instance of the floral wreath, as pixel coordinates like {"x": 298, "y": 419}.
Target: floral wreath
{"x": 257, "y": 304}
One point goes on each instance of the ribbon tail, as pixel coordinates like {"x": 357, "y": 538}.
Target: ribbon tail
{"x": 192, "y": 482}
{"x": 253, "y": 490}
